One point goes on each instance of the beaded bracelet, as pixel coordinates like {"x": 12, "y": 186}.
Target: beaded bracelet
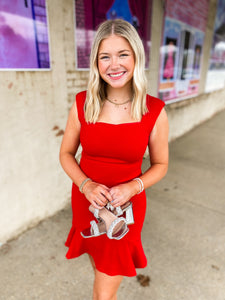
{"x": 141, "y": 184}
{"x": 82, "y": 184}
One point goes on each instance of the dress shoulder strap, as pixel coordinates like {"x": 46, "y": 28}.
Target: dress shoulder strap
{"x": 80, "y": 101}
{"x": 154, "y": 105}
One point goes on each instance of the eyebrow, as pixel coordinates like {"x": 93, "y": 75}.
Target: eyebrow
{"x": 125, "y": 50}
{"x": 104, "y": 53}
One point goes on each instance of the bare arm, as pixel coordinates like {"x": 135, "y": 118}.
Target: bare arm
{"x": 158, "y": 151}
{"x": 69, "y": 147}
{"x": 159, "y": 155}
{"x": 93, "y": 191}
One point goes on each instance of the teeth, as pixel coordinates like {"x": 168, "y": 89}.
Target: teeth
{"x": 116, "y": 75}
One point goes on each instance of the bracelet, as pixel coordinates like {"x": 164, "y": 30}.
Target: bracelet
{"x": 82, "y": 184}
{"x": 141, "y": 184}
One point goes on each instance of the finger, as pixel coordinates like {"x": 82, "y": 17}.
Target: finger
{"x": 112, "y": 192}
{"x": 119, "y": 203}
{"x": 102, "y": 195}
{"x": 95, "y": 204}
{"x": 100, "y": 200}
{"x": 115, "y": 202}
{"x": 107, "y": 196}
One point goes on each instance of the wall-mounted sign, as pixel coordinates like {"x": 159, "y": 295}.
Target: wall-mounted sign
{"x": 216, "y": 73}
{"x": 181, "y": 49}
{"x": 24, "y": 42}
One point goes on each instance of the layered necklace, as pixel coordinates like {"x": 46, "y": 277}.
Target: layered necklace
{"x": 118, "y": 104}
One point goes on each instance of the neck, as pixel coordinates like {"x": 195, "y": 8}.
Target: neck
{"x": 119, "y": 95}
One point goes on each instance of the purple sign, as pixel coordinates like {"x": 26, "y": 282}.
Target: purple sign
{"x": 23, "y": 35}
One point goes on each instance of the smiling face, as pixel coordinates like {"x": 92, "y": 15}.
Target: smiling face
{"x": 116, "y": 62}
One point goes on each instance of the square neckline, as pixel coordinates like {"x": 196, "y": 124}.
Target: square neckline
{"x": 117, "y": 124}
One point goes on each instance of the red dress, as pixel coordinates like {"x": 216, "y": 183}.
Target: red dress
{"x": 112, "y": 154}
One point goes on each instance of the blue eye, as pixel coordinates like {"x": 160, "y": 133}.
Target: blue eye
{"x": 123, "y": 55}
{"x": 104, "y": 57}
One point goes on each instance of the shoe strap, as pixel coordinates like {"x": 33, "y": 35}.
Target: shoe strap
{"x": 109, "y": 206}
{"x": 113, "y": 224}
{"x": 95, "y": 228}
{"x": 96, "y": 213}
{"x": 118, "y": 209}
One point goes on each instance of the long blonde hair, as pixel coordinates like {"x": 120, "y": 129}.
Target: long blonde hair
{"x": 96, "y": 91}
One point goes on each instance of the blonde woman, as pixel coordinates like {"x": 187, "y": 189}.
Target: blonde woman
{"x": 114, "y": 121}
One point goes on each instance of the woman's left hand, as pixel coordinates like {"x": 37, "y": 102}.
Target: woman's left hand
{"x": 123, "y": 192}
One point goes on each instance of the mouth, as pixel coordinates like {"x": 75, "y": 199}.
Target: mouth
{"x": 116, "y": 75}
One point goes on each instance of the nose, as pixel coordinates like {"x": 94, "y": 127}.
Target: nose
{"x": 115, "y": 62}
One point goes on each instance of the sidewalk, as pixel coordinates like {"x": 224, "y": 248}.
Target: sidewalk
{"x": 183, "y": 235}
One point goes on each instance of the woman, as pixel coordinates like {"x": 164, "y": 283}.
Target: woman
{"x": 115, "y": 120}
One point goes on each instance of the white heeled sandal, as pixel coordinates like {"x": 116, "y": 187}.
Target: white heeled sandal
{"x": 114, "y": 227}
{"x": 120, "y": 210}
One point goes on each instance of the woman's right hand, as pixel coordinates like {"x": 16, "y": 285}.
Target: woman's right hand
{"x": 97, "y": 194}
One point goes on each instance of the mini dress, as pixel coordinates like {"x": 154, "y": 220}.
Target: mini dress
{"x": 111, "y": 155}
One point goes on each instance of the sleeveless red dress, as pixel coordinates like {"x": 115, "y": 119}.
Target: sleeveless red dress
{"x": 112, "y": 154}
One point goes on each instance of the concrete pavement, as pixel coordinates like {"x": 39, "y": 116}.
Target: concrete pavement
{"x": 183, "y": 235}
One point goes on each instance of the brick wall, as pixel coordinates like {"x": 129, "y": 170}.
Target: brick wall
{"x": 191, "y": 12}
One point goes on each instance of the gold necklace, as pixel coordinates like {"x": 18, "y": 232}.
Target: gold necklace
{"x": 118, "y": 104}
